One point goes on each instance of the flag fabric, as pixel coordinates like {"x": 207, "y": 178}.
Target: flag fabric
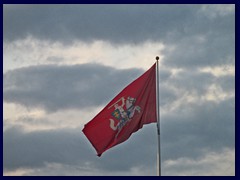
{"x": 133, "y": 107}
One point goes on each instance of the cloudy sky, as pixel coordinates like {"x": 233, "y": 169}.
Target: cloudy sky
{"x": 64, "y": 63}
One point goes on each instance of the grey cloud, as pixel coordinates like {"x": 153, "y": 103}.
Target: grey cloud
{"x": 62, "y": 87}
{"x": 167, "y": 95}
{"x": 212, "y": 164}
{"x": 116, "y": 23}
{"x": 42, "y": 147}
{"x": 70, "y": 147}
{"x": 199, "y": 125}
{"x": 184, "y": 83}
{"x": 164, "y": 75}
{"x": 218, "y": 48}
{"x": 198, "y": 39}
{"x": 110, "y": 21}
{"x": 194, "y": 128}
{"x": 203, "y": 42}
{"x": 193, "y": 81}
{"x": 73, "y": 170}
{"x": 227, "y": 83}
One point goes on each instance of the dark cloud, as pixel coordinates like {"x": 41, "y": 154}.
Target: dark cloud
{"x": 195, "y": 128}
{"x": 70, "y": 147}
{"x": 167, "y": 95}
{"x": 53, "y": 87}
{"x": 212, "y": 50}
{"x": 192, "y": 128}
{"x": 192, "y": 81}
{"x": 227, "y": 83}
{"x": 198, "y": 38}
{"x": 189, "y": 132}
{"x": 42, "y": 147}
{"x": 164, "y": 75}
{"x": 63, "y": 87}
{"x": 116, "y": 23}
{"x": 204, "y": 42}
{"x": 197, "y": 125}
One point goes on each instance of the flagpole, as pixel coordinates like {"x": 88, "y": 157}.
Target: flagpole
{"x": 158, "y": 122}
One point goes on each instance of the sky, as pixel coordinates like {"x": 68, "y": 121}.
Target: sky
{"x": 63, "y": 63}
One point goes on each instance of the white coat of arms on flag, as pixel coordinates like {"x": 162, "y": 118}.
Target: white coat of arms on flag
{"x": 123, "y": 113}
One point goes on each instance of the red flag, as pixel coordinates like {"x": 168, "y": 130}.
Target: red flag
{"x": 133, "y": 107}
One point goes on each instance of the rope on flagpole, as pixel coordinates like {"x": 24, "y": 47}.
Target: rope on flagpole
{"x": 158, "y": 121}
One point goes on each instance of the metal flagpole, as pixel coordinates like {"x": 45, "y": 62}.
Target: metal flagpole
{"x": 158, "y": 122}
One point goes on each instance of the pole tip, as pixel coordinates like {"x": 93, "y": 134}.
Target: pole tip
{"x": 157, "y": 58}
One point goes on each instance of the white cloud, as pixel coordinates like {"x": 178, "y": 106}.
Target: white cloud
{"x": 219, "y": 71}
{"x": 17, "y": 172}
{"x": 31, "y": 51}
{"x": 215, "y": 93}
{"x": 212, "y": 164}
{"x": 57, "y": 169}
{"x": 37, "y": 119}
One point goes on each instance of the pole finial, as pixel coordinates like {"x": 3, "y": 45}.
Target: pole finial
{"x": 157, "y": 58}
